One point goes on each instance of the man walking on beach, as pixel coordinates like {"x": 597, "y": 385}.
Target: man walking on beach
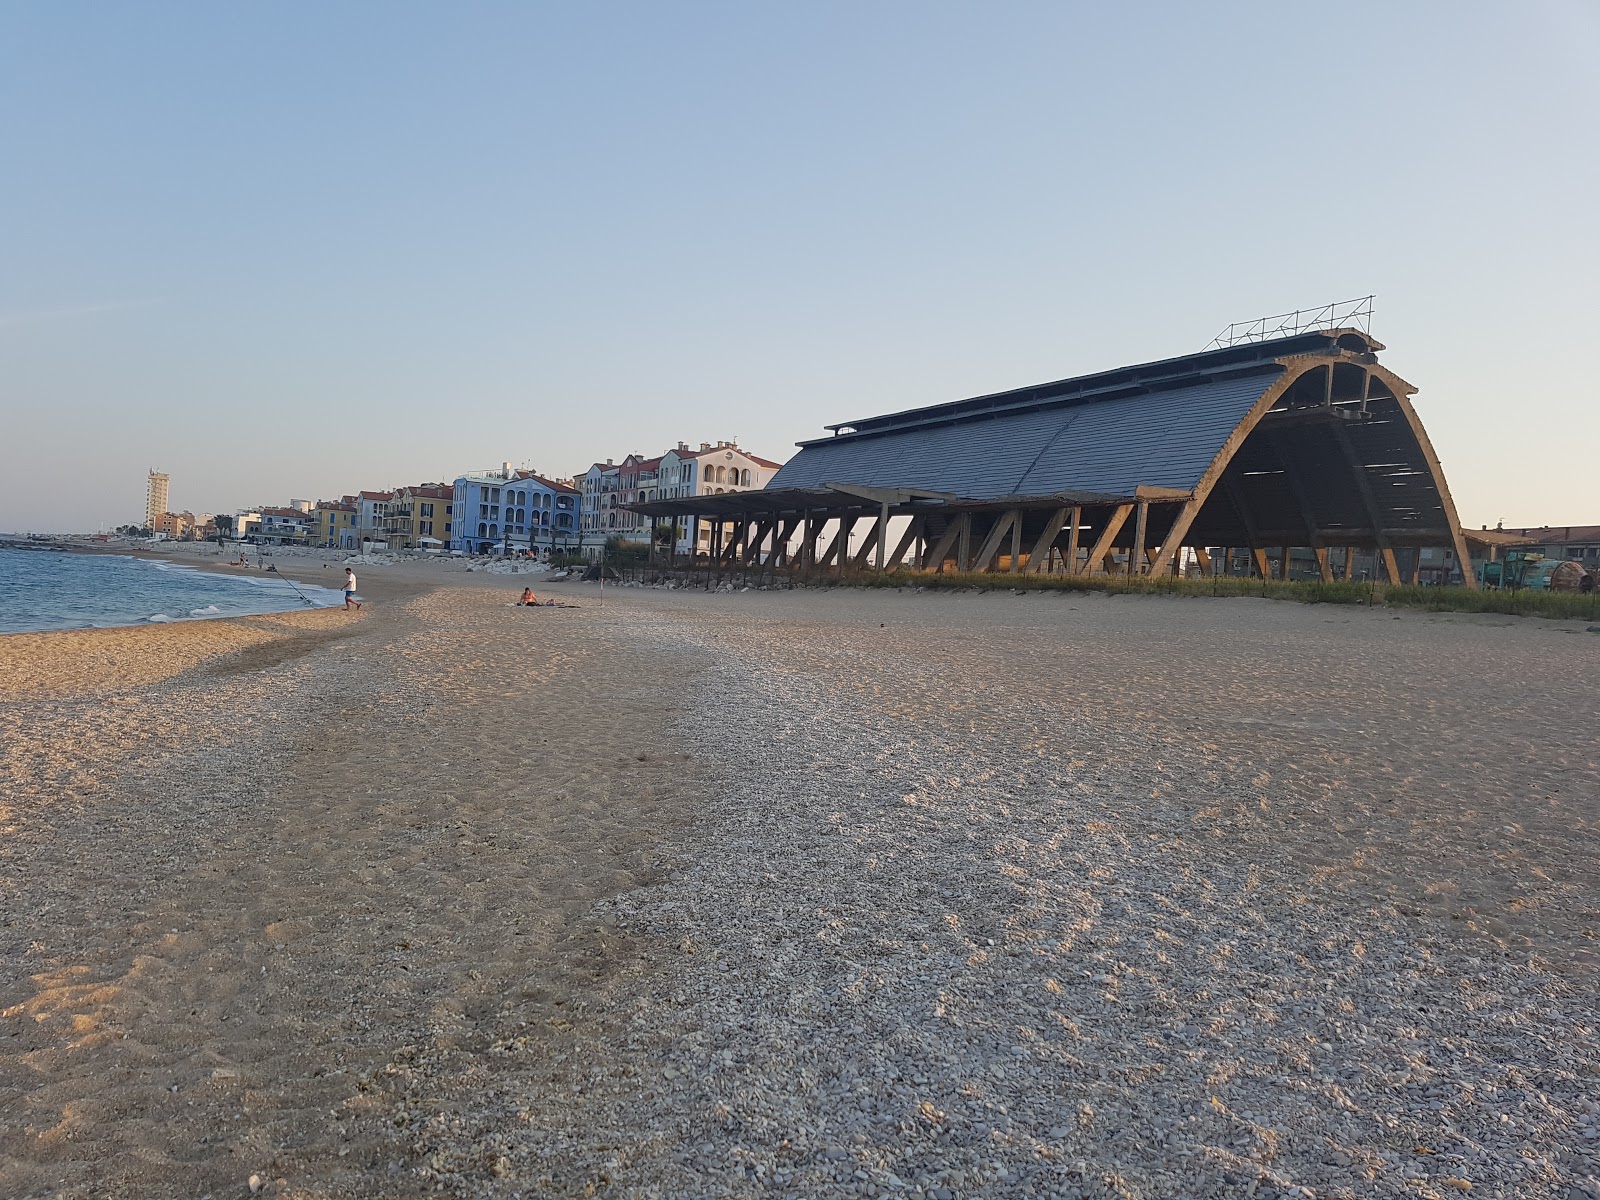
{"x": 350, "y": 589}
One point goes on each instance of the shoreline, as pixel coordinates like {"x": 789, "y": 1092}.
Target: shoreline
{"x": 296, "y": 601}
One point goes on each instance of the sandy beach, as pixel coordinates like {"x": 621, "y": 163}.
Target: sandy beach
{"x": 803, "y": 894}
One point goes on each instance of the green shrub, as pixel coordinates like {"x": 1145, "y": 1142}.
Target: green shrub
{"x": 1561, "y": 605}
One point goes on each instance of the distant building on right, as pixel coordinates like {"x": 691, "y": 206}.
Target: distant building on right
{"x": 1578, "y": 542}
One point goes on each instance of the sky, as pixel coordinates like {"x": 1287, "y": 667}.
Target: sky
{"x": 293, "y": 250}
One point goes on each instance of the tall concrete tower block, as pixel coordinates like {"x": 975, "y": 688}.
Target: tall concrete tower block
{"x": 155, "y": 497}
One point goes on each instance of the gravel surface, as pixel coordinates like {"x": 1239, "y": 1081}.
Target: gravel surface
{"x": 816, "y": 894}
{"x": 1019, "y": 896}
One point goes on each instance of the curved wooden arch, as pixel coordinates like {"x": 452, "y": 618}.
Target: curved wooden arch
{"x": 1296, "y": 368}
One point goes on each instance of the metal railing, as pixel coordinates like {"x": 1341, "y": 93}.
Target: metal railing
{"x": 1341, "y": 314}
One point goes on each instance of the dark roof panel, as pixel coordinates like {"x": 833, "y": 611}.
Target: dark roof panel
{"x": 1111, "y": 445}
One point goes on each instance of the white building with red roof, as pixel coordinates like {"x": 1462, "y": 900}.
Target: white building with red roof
{"x": 712, "y": 469}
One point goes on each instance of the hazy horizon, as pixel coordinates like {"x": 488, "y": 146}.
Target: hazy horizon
{"x": 294, "y": 252}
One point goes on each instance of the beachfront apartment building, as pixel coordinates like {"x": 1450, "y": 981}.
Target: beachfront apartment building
{"x": 431, "y": 508}
{"x": 723, "y": 467}
{"x": 285, "y": 526}
{"x": 601, "y": 489}
{"x": 334, "y": 523}
{"x": 417, "y": 517}
{"x": 498, "y": 512}
{"x": 371, "y": 508}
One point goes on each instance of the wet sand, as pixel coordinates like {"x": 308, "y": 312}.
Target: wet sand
{"x": 807, "y": 894}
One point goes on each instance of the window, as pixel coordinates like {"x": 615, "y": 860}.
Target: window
{"x": 494, "y": 531}
{"x": 483, "y": 529}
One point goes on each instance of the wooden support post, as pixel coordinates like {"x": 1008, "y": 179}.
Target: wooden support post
{"x": 1323, "y": 568}
{"x": 1072, "y": 539}
{"x": 1349, "y": 563}
{"x": 753, "y": 544}
{"x": 1039, "y": 556}
{"x": 1173, "y": 542}
{"x": 1390, "y": 566}
{"x": 1416, "y": 565}
{"x": 1227, "y": 561}
{"x": 964, "y": 541}
{"x": 847, "y": 526}
{"x": 933, "y": 558}
{"x": 1140, "y": 525}
{"x": 913, "y": 531}
{"x": 838, "y": 549}
{"x": 883, "y": 537}
{"x": 868, "y": 545}
{"x": 1016, "y": 543}
{"x": 991, "y": 544}
{"x": 780, "y": 547}
{"x": 1204, "y": 559}
{"x": 1102, "y": 545}
{"x": 1283, "y": 562}
{"x": 1260, "y": 556}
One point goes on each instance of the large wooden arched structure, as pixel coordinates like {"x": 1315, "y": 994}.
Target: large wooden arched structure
{"x": 1304, "y": 441}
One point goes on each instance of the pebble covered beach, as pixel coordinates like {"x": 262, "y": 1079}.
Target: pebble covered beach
{"x": 812, "y": 894}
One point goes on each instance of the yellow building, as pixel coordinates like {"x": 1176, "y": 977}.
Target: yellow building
{"x": 335, "y": 524}
{"x": 418, "y": 516}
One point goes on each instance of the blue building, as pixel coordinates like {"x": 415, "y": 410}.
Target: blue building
{"x": 499, "y": 512}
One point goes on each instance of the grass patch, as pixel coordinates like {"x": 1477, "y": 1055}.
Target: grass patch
{"x": 1559, "y": 605}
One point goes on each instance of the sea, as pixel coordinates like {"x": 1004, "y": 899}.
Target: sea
{"x": 48, "y": 589}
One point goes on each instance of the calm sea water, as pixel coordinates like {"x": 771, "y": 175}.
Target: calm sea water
{"x": 44, "y": 589}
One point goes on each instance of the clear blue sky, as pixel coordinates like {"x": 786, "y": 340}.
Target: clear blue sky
{"x": 299, "y": 249}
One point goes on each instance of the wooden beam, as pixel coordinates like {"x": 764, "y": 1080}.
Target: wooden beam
{"x": 1323, "y": 568}
{"x": 913, "y": 531}
{"x": 840, "y": 535}
{"x": 1180, "y": 530}
{"x": 1349, "y": 563}
{"x": 1399, "y": 388}
{"x": 991, "y": 544}
{"x": 1040, "y": 554}
{"x": 1102, "y": 545}
{"x": 883, "y": 537}
{"x": 785, "y": 555}
{"x": 1016, "y": 543}
{"x": 1416, "y": 565}
{"x": 1204, "y": 559}
{"x": 1260, "y": 556}
{"x": 964, "y": 541}
{"x": 934, "y": 558}
{"x": 1283, "y": 561}
{"x": 752, "y": 546}
{"x": 868, "y": 545}
{"x": 1072, "y": 539}
{"x": 1390, "y": 566}
{"x": 1140, "y": 524}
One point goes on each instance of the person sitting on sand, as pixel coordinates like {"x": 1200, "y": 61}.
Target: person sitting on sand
{"x": 350, "y": 589}
{"x": 528, "y": 598}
